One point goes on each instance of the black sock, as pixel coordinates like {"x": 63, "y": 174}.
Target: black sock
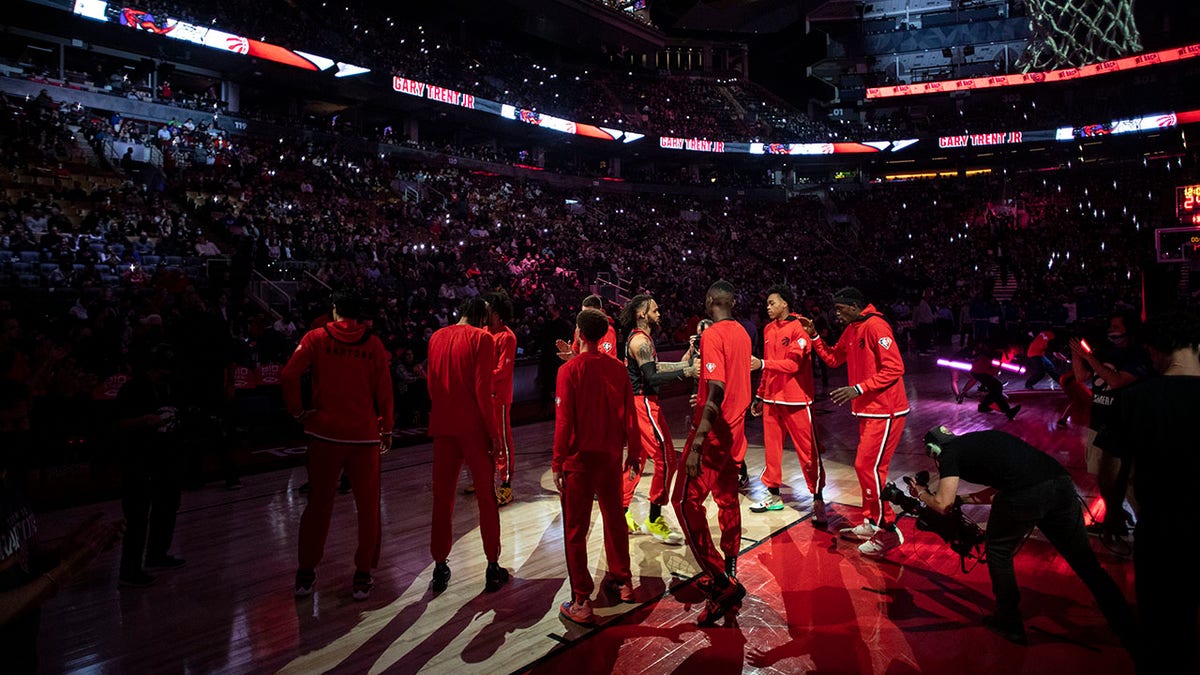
{"x": 655, "y": 512}
{"x": 774, "y": 491}
{"x": 818, "y": 498}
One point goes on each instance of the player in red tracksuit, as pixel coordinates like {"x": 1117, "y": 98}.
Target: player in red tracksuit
{"x": 877, "y": 397}
{"x": 710, "y": 456}
{"x": 607, "y": 345}
{"x": 499, "y": 314}
{"x": 349, "y": 427}
{"x": 594, "y": 420}
{"x": 640, "y": 316}
{"x": 783, "y": 399}
{"x": 462, "y": 422}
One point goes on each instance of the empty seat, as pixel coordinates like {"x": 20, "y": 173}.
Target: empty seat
{"x": 172, "y": 260}
{"x": 103, "y": 269}
{"x": 30, "y": 256}
{"x": 30, "y": 281}
{"x": 150, "y": 260}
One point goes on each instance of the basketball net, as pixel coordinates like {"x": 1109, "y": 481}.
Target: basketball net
{"x": 1073, "y": 33}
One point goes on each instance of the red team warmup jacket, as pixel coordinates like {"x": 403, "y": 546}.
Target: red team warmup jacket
{"x": 787, "y": 377}
{"x": 582, "y": 424}
{"x": 351, "y": 383}
{"x": 463, "y": 359}
{"x": 876, "y": 372}
{"x": 506, "y": 356}
{"x": 725, "y": 357}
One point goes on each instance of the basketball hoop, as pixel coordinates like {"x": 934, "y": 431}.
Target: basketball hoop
{"x": 1073, "y": 33}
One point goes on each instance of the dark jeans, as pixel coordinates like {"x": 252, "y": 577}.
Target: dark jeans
{"x": 150, "y": 502}
{"x": 1039, "y": 367}
{"x": 995, "y": 391}
{"x": 1053, "y": 508}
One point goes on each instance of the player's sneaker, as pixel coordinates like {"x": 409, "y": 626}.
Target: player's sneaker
{"x": 441, "y": 577}
{"x": 1012, "y": 412}
{"x": 819, "y": 517}
{"x": 495, "y": 577}
{"x": 362, "y": 585}
{"x": 721, "y": 602}
{"x": 882, "y": 542}
{"x": 634, "y": 528}
{"x": 861, "y": 532}
{"x": 661, "y": 531}
{"x": 579, "y": 612}
{"x": 305, "y": 580}
{"x": 503, "y": 495}
{"x": 771, "y": 503}
{"x": 622, "y": 588}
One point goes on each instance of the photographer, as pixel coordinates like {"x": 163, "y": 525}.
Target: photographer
{"x": 1027, "y": 489}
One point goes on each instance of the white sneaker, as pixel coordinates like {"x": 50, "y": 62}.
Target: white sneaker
{"x": 882, "y": 542}
{"x": 862, "y": 532}
{"x": 771, "y": 503}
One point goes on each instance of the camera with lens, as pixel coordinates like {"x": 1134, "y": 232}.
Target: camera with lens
{"x": 961, "y": 533}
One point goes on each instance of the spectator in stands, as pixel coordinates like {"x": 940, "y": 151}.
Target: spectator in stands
{"x": 206, "y": 248}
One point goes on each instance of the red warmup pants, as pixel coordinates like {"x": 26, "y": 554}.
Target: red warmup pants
{"x": 602, "y": 478}
{"x": 797, "y": 421}
{"x": 449, "y": 453}
{"x": 325, "y": 463}
{"x": 660, "y": 449}
{"x": 718, "y": 476}
{"x": 877, "y": 441}
{"x": 504, "y": 460}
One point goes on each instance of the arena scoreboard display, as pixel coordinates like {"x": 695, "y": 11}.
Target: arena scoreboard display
{"x": 1187, "y": 204}
{"x": 1177, "y": 244}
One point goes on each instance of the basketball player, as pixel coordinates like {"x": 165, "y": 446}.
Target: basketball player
{"x": 783, "y": 399}
{"x": 463, "y": 424}
{"x": 640, "y": 316}
{"x": 595, "y": 419}
{"x": 499, "y": 314}
{"x": 711, "y": 455}
{"x": 349, "y": 427}
{"x": 607, "y": 345}
{"x": 877, "y": 398}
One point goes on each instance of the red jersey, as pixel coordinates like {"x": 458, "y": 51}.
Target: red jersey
{"x": 462, "y": 359}
{"x": 351, "y": 383}
{"x": 594, "y": 412}
{"x": 725, "y": 357}
{"x": 607, "y": 344}
{"x": 873, "y": 363}
{"x": 787, "y": 377}
{"x": 506, "y": 356}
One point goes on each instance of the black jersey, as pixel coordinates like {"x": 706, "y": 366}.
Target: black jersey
{"x": 641, "y": 387}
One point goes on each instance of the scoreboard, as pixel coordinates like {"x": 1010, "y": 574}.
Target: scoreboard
{"x": 1187, "y": 204}
{"x": 1177, "y": 244}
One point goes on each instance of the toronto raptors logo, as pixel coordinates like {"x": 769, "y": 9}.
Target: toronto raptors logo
{"x": 885, "y": 342}
{"x": 237, "y": 44}
{"x": 862, "y": 343}
{"x": 786, "y": 341}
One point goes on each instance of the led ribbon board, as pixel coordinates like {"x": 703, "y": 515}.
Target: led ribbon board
{"x": 1119, "y": 65}
{"x": 212, "y": 38}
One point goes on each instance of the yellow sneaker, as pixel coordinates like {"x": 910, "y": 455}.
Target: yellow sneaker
{"x": 633, "y": 526}
{"x": 661, "y": 531}
{"x": 504, "y": 495}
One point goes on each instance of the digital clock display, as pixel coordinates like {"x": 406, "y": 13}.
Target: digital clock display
{"x": 1187, "y": 204}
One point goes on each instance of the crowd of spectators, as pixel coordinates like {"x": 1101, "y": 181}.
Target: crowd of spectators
{"x": 1065, "y": 246}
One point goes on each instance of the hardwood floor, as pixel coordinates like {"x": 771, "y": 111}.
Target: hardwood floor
{"x": 231, "y": 608}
